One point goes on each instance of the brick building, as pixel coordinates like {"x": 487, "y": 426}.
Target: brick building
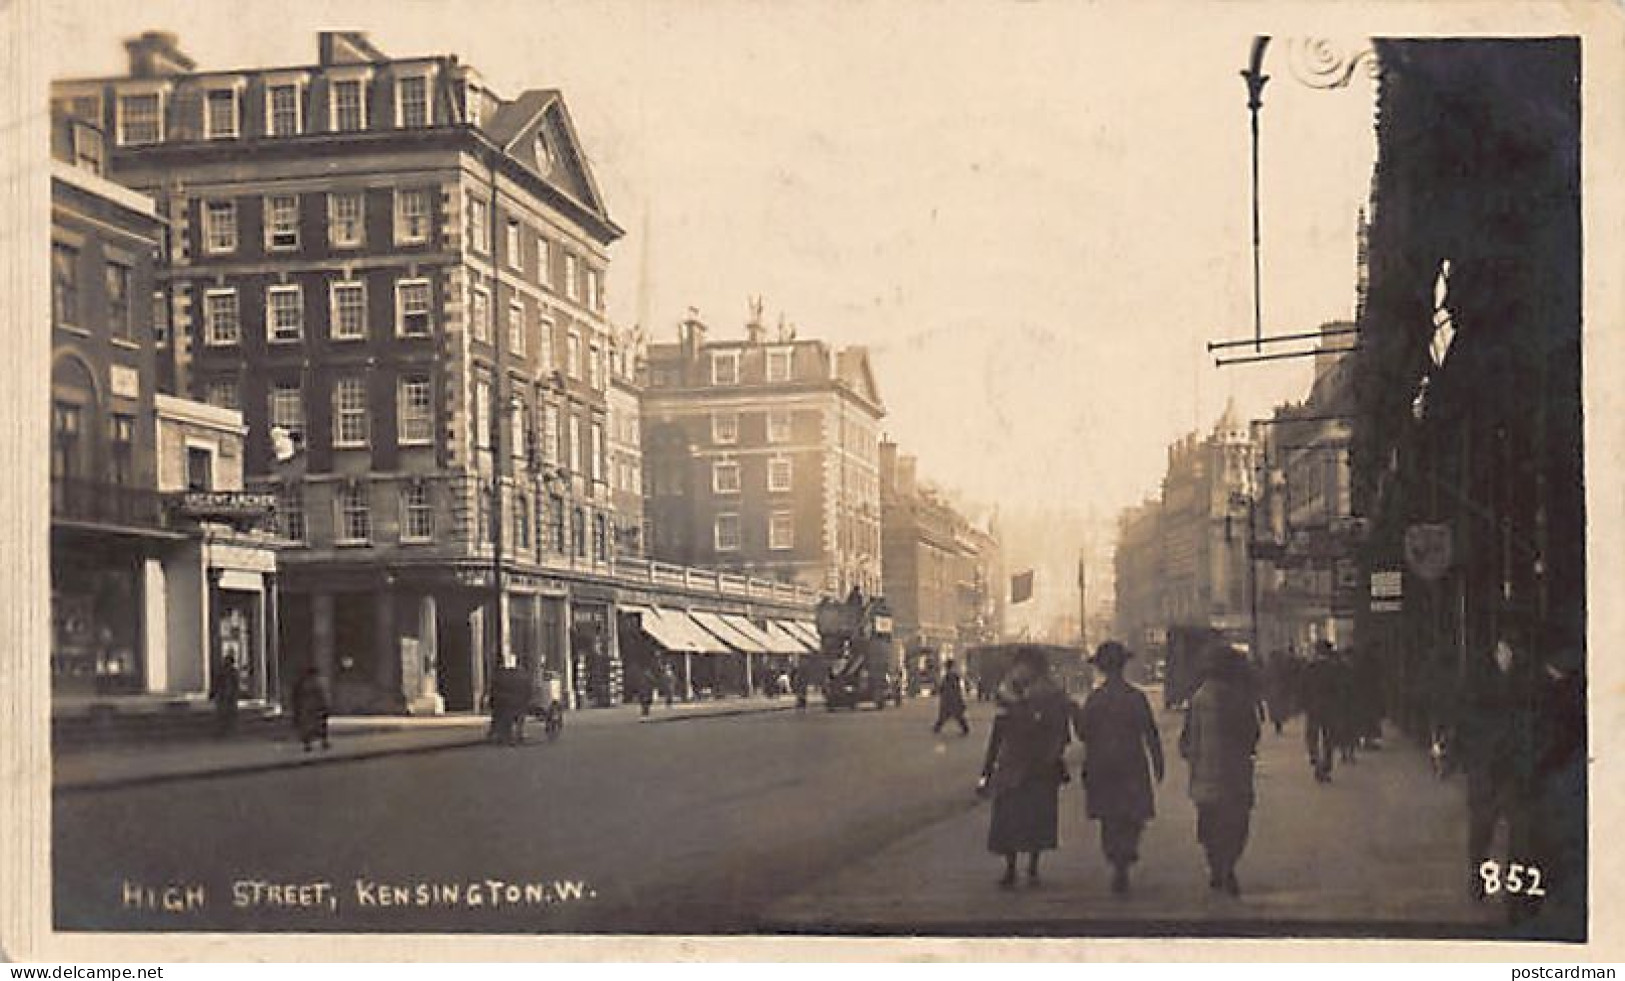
{"x": 942, "y": 573}
{"x": 158, "y": 571}
{"x": 763, "y": 457}
{"x": 398, "y": 277}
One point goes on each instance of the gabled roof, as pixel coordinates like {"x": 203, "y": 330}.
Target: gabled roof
{"x": 514, "y": 127}
{"x": 853, "y": 367}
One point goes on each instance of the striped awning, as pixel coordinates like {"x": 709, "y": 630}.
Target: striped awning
{"x": 728, "y": 633}
{"x": 803, "y": 631}
{"x": 747, "y": 628}
{"x": 787, "y": 640}
{"x": 677, "y": 633}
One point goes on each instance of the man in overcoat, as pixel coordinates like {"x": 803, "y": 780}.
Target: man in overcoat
{"x": 951, "y": 699}
{"x": 1120, "y": 738}
{"x": 1320, "y": 708}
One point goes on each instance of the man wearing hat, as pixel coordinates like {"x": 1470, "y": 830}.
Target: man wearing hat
{"x": 951, "y": 699}
{"x": 1120, "y": 738}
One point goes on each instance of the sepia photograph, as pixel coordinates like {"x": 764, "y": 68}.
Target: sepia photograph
{"x": 813, "y": 470}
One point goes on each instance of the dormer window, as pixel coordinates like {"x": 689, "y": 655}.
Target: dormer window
{"x": 283, "y": 110}
{"x": 725, "y": 368}
{"x": 140, "y": 118}
{"x": 349, "y": 105}
{"x": 87, "y": 148}
{"x": 412, "y": 107}
{"x": 778, "y": 365}
{"x": 220, "y": 114}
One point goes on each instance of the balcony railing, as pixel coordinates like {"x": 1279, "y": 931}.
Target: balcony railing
{"x": 709, "y": 581}
{"x": 110, "y": 504}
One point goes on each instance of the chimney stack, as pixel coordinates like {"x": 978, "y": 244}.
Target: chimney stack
{"x": 157, "y": 54}
{"x": 755, "y": 330}
{"x": 346, "y": 48}
{"x": 691, "y": 334}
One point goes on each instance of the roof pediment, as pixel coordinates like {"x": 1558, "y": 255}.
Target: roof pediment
{"x": 854, "y": 368}
{"x": 536, "y": 130}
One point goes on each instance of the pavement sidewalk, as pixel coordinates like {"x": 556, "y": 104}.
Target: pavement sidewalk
{"x": 353, "y": 738}
{"x": 1380, "y": 851}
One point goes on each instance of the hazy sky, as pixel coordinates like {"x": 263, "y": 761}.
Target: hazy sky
{"x": 1035, "y": 214}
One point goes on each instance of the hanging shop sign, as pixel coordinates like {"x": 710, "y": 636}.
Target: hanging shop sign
{"x": 1387, "y": 591}
{"x": 1428, "y": 551}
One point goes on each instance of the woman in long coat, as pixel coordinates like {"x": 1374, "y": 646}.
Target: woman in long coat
{"x": 1219, "y": 740}
{"x": 1024, "y": 770}
{"x": 1120, "y": 738}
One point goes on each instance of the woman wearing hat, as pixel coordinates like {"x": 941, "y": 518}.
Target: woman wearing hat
{"x": 1023, "y": 771}
{"x": 1120, "y": 738}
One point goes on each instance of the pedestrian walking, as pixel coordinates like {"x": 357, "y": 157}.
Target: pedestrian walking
{"x": 798, "y": 685}
{"x": 1219, "y": 740}
{"x": 1367, "y": 680}
{"x": 1023, "y": 770}
{"x": 311, "y": 708}
{"x": 1320, "y": 694}
{"x": 1279, "y": 695}
{"x": 668, "y": 683}
{"x": 225, "y": 690}
{"x": 510, "y": 699}
{"x": 1345, "y": 712}
{"x": 646, "y": 690}
{"x": 951, "y": 699}
{"x": 1119, "y": 735}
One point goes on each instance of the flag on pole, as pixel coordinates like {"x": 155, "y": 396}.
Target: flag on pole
{"x": 1021, "y": 587}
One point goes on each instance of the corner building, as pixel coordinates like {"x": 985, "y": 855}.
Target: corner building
{"x": 398, "y": 277}
{"x": 763, "y": 458}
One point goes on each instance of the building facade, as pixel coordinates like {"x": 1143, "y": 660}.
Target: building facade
{"x": 1137, "y": 585}
{"x": 398, "y": 277}
{"x": 763, "y": 458}
{"x": 163, "y": 575}
{"x": 1182, "y": 560}
{"x": 942, "y": 573}
{"x": 1308, "y": 573}
{"x": 108, "y": 530}
{"x": 625, "y": 415}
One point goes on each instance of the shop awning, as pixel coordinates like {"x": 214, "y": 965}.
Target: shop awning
{"x": 786, "y": 640}
{"x": 728, "y": 633}
{"x": 804, "y": 631}
{"x": 674, "y": 631}
{"x": 746, "y": 627}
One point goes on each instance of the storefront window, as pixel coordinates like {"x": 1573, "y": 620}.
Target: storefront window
{"x": 96, "y": 617}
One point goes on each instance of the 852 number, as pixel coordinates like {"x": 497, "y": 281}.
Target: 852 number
{"x": 1518, "y": 880}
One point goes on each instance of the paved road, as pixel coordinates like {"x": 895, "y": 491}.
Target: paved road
{"x": 820, "y": 822}
{"x": 688, "y": 827}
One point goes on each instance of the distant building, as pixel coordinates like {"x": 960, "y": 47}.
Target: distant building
{"x": 763, "y": 457}
{"x": 626, "y": 476}
{"x": 1310, "y": 587}
{"x": 1182, "y": 561}
{"x": 1137, "y": 567}
{"x": 942, "y": 574}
